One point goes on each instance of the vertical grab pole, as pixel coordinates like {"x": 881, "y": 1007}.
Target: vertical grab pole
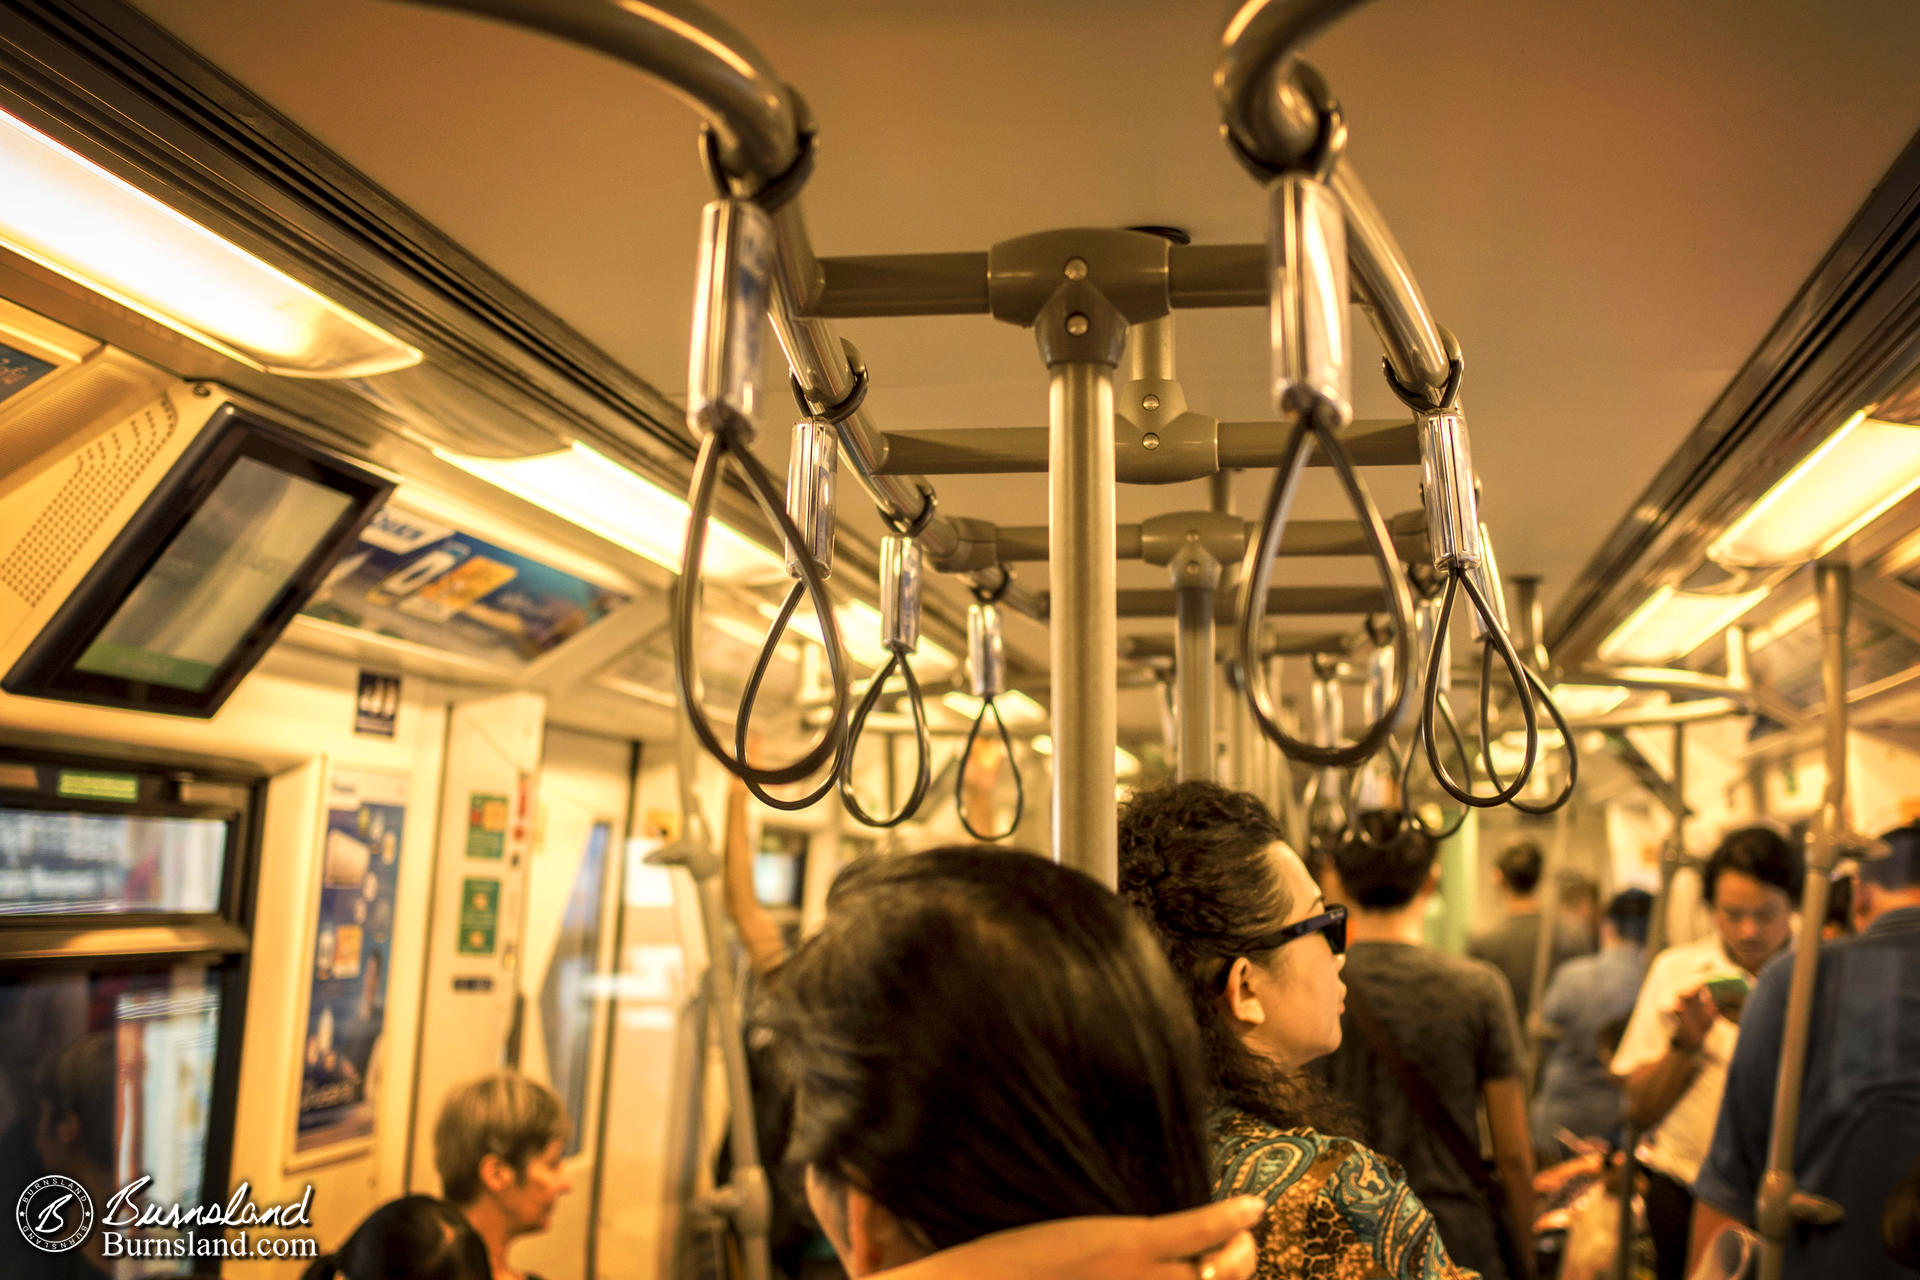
{"x": 1780, "y": 1203}
{"x": 1676, "y": 851}
{"x": 1081, "y": 335}
{"x": 1196, "y": 579}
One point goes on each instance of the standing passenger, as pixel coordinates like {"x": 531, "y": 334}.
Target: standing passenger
{"x": 1860, "y": 1099}
{"x": 1681, "y": 1038}
{"x": 498, "y": 1146}
{"x": 1243, "y": 924}
{"x": 1511, "y": 945}
{"x": 1577, "y": 1092}
{"x": 1431, "y": 1045}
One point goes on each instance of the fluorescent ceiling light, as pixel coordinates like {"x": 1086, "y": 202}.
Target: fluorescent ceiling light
{"x": 73, "y": 217}
{"x": 1125, "y": 763}
{"x": 1853, "y": 477}
{"x": 860, "y": 632}
{"x": 625, "y": 508}
{"x": 1016, "y": 708}
{"x": 1581, "y": 701}
{"x": 1672, "y": 624}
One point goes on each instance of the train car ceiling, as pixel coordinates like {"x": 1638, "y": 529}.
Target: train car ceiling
{"x": 534, "y": 244}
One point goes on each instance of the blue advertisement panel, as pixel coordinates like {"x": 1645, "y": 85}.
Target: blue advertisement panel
{"x": 415, "y": 579}
{"x": 352, "y": 950}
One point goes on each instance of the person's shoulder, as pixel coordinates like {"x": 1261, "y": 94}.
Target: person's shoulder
{"x": 1253, "y": 1157}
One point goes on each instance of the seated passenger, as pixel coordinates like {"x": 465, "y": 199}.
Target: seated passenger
{"x": 412, "y": 1238}
{"x": 1259, "y": 955}
{"x": 498, "y": 1146}
{"x": 979, "y": 1040}
{"x": 1432, "y": 1051}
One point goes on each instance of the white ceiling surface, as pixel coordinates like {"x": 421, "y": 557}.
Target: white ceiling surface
{"x": 1609, "y": 204}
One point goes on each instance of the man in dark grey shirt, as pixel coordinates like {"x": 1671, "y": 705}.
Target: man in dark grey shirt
{"x": 1511, "y": 945}
{"x": 1452, "y": 1020}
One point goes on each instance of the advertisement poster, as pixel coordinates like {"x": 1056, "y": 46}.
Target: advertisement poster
{"x": 352, "y": 945}
{"x": 417, "y": 580}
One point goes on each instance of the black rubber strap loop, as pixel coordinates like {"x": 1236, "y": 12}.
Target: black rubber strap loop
{"x": 1259, "y": 573}
{"x": 1461, "y": 753}
{"x": 1538, "y": 691}
{"x": 1499, "y": 642}
{"x": 966, "y": 758}
{"x": 714, "y": 450}
{"x": 750, "y": 697}
{"x": 839, "y": 411}
{"x": 922, "y": 741}
{"x": 777, "y": 190}
{"x": 910, "y": 529}
{"x": 999, "y": 593}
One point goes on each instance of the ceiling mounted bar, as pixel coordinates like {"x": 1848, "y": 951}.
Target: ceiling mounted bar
{"x": 1150, "y": 602}
{"x": 1017, "y": 543}
{"x": 972, "y": 451}
{"x": 1292, "y": 644}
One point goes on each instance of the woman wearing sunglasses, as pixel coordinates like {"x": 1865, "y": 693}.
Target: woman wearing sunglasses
{"x": 1260, "y": 953}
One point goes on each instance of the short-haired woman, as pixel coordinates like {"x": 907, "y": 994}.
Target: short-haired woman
{"x": 498, "y": 1146}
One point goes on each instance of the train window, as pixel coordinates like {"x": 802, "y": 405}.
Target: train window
{"x": 780, "y": 867}
{"x": 108, "y": 1077}
{"x": 76, "y": 863}
{"x": 566, "y": 998}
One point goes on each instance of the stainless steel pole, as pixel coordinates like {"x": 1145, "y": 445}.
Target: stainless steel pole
{"x": 1659, "y": 928}
{"x": 1081, "y": 336}
{"x": 1196, "y": 577}
{"x": 1780, "y": 1203}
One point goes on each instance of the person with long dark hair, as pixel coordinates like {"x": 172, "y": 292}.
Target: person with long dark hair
{"x": 1259, "y": 954}
{"x": 412, "y": 1238}
{"x": 979, "y": 1040}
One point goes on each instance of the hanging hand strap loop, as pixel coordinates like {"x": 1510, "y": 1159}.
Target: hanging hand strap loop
{"x": 750, "y": 695}
{"x": 1538, "y": 692}
{"x": 987, "y": 707}
{"x": 1498, "y": 638}
{"x": 922, "y": 743}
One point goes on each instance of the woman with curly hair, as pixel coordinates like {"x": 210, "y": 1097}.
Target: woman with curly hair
{"x": 1260, "y": 955}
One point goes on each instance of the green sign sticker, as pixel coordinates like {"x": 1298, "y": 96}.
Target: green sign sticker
{"x": 486, "y": 825}
{"x": 479, "y": 915}
{"x": 122, "y": 788}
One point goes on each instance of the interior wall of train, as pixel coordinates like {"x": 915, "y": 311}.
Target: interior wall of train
{"x": 342, "y": 747}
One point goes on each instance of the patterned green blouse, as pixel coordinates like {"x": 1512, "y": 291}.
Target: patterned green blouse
{"x": 1336, "y": 1210}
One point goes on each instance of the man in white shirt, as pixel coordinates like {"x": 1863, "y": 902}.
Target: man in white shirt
{"x": 1686, "y": 1023}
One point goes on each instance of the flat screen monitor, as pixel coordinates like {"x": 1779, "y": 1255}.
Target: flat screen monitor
{"x": 206, "y": 574}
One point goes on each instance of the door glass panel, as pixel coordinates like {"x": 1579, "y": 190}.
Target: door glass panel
{"x": 566, "y": 998}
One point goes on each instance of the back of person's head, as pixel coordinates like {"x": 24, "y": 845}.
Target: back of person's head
{"x": 412, "y": 1238}
{"x": 1194, "y": 865}
{"x": 979, "y": 1039}
{"x": 1760, "y": 853}
{"x": 504, "y": 1114}
{"x": 77, "y": 1093}
{"x": 1899, "y": 870}
{"x": 1629, "y": 912}
{"x": 1519, "y": 867}
{"x": 1385, "y": 865}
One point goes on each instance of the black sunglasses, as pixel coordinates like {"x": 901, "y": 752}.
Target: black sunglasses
{"x": 1332, "y": 922}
